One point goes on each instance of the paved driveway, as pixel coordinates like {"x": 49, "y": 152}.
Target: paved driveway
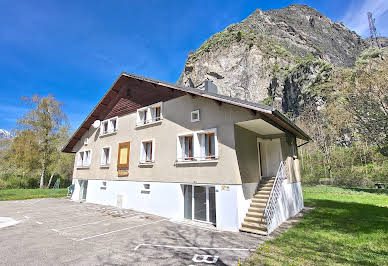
{"x": 59, "y": 231}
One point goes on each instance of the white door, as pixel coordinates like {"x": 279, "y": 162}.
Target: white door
{"x": 200, "y": 203}
{"x": 83, "y": 185}
{"x": 271, "y": 156}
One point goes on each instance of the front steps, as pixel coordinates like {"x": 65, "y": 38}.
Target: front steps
{"x": 255, "y": 221}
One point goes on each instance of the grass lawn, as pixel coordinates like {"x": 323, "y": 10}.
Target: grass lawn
{"x": 19, "y": 194}
{"x": 348, "y": 226}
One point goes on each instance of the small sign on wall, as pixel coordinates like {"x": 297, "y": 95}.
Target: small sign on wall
{"x": 225, "y": 188}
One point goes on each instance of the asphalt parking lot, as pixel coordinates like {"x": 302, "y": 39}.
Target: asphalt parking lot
{"x": 60, "y": 231}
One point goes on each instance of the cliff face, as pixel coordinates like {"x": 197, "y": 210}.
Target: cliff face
{"x": 276, "y": 57}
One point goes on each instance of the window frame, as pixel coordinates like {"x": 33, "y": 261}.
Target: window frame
{"x": 106, "y": 165}
{"x": 107, "y": 122}
{"x": 198, "y": 114}
{"x": 199, "y": 148}
{"x": 149, "y": 117}
{"x": 143, "y": 153}
{"x": 84, "y": 164}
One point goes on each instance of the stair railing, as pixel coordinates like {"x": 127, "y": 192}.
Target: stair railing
{"x": 271, "y": 206}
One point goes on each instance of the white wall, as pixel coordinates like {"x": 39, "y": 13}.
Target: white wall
{"x": 290, "y": 202}
{"x": 166, "y": 199}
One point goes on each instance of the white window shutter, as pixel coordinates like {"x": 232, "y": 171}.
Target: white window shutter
{"x": 79, "y": 159}
{"x": 102, "y": 128}
{"x": 110, "y": 126}
{"x": 153, "y": 150}
{"x": 179, "y": 148}
{"x": 215, "y": 143}
{"x": 196, "y": 145}
{"x": 142, "y": 152}
{"x": 149, "y": 115}
{"x": 202, "y": 145}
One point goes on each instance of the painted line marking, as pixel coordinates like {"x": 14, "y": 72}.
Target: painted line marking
{"x": 27, "y": 217}
{"x": 191, "y": 247}
{"x": 39, "y": 222}
{"x": 96, "y": 222}
{"x": 115, "y": 231}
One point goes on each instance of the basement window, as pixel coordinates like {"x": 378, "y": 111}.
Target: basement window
{"x": 146, "y": 189}
{"x": 108, "y": 126}
{"x": 84, "y": 159}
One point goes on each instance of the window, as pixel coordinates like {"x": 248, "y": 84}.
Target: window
{"x": 195, "y": 116}
{"x": 84, "y": 159}
{"x": 209, "y": 146}
{"x": 105, "y": 157}
{"x": 147, "y": 154}
{"x": 146, "y": 189}
{"x": 199, "y": 146}
{"x": 86, "y": 141}
{"x": 149, "y": 115}
{"x": 108, "y": 126}
{"x": 185, "y": 148}
{"x": 123, "y": 156}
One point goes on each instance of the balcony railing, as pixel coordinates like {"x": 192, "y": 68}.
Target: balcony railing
{"x": 148, "y": 121}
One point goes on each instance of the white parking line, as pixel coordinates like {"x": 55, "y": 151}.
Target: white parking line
{"x": 188, "y": 247}
{"x": 96, "y": 222}
{"x": 115, "y": 231}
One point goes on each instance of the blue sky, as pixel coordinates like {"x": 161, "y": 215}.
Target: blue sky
{"x": 76, "y": 49}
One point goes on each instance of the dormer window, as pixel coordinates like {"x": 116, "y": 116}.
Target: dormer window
{"x": 109, "y": 126}
{"x": 149, "y": 115}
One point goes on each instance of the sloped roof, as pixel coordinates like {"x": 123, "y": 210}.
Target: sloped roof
{"x": 142, "y": 91}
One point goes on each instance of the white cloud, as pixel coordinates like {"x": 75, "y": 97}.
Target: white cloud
{"x": 356, "y": 16}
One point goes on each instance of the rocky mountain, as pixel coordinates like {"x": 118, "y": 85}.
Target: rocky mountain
{"x": 280, "y": 57}
{"x": 4, "y": 134}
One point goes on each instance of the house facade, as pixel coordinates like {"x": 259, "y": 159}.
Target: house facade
{"x": 186, "y": 153}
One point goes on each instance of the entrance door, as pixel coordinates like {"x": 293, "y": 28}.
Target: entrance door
{"x": 200, "y": 203}
{"x": 83, "y": 185}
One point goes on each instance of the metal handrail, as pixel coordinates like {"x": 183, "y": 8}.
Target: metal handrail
{"x": 271, "y": 205}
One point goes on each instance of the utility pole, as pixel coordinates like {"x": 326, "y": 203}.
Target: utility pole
{"x": 372, "y": 29}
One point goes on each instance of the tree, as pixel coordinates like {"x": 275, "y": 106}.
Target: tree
{"x": 22, "y": 156}
{"x": 317, "y": 126}
{"x": 44, "y": 120}
{"x": 61, "y": 163}
{"x": 360, "y": 99}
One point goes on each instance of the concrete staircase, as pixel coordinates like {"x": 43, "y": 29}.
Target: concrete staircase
{"x": 255, "y": 221}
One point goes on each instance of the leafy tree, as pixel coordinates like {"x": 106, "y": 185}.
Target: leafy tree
{"x": 45, "y": 120}
{"x": 61, "y": 163}
{"x": 22, "y": 157}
